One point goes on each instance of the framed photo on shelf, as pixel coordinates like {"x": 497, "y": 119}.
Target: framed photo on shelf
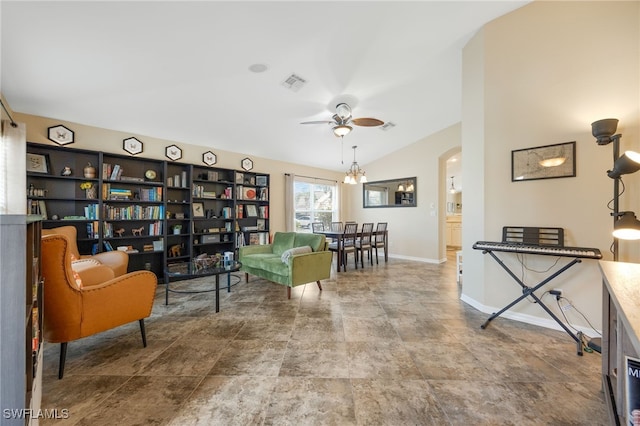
{"x": 198, "y": 209}
{"x": 38, "y": 163}
{"x": 252, "y": 210}
{"x": 544, "y": 162}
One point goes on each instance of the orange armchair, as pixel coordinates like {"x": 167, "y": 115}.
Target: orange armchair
{"x": 116, "y": 260}
{"x": 91, "y": 300}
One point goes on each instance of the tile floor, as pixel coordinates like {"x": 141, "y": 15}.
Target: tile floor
{"x": 385, "y": 345}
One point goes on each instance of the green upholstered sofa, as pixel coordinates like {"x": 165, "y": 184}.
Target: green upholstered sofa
{"x": 295, "y": 267}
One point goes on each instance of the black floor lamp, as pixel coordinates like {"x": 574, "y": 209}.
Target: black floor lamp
{"x": 625, "y": 224}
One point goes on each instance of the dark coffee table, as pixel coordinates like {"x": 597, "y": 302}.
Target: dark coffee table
{"x": 192, "y": 271}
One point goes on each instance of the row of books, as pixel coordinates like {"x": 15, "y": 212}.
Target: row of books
{"x": 37, "y": 207}
{"x": 151, "y": 194}
{"x": 255, "y": 238}
{"x": 200, "y": 191}
{"x": 144, "y": 194}
{"x": 133, "y": 212}
{"x": 92, "y": 211}
{"x": 111, "y": 171}
{"x": 93, "y": 229}
{"x": 178, "y": 181}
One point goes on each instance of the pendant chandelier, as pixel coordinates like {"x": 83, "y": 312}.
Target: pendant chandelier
{"x": 452, "y": 190}
{"x": 355, "y": 173}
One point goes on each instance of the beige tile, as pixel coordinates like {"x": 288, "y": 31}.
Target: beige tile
{"x": 306, "y": 401}
{"x": 391, "y": 344}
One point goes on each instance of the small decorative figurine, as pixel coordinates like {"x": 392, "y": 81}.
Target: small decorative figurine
{"x": 89, "y": 171}
{"x": 138, "y": 231}
{"x": 119, "y": 232}
{"x": 66, "y": 171}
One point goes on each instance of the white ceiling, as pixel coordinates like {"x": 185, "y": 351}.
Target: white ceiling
{"x": 180, "y": 70}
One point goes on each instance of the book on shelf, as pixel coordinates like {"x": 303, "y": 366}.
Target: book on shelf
{"x": 158, "y": 245}
{"x": 116, "y": 172}
{"x": 264, "y": 212}
{"x": 264, "y": 194}
{"x": 261, "y": 225}
{"x": 258, "y": 238}
{"x": 240, "y": 211}
{"x": 261, "y": 180}
{"x": 248, "y": 193}
{"x": 251, "y": 210}
{"x": 239, "y": 177}
{"x": 108, "y": 246}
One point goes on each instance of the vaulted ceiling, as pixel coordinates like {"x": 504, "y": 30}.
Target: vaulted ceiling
{"x": 181, "y": 70}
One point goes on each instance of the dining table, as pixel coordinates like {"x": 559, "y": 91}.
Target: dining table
{"x": 338, "y": 235}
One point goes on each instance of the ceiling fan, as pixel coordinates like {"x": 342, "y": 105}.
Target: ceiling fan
{"x": 342, "y": 121}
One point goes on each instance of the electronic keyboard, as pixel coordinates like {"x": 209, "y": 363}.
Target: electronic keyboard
{"x": 578, "y": 252}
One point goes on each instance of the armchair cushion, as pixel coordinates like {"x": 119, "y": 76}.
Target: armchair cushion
{"x": 118, "y": 261}
{"x": 282, "y": 241}
{"x": 295, "y": 250}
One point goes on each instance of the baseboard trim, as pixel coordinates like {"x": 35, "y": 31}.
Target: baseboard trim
{"x": 525, "y": 318}
{"x": 417, "y": 259}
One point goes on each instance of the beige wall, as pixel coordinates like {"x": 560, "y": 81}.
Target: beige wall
{"x": 541, "y": 75}
{"x": 414, "y": 232}
{"x": 94, "y": 138}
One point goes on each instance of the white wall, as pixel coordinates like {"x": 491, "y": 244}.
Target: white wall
{"x": 537, "y": 76}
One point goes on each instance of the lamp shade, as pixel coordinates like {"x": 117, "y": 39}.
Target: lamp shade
{"x": 602, "y": 130}
{"x": 342, "y": 130}
{"x": 627, "y": 163}
{"x": 627, "y": 227}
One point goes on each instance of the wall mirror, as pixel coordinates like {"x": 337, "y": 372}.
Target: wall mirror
{"x": 390, "y": 193}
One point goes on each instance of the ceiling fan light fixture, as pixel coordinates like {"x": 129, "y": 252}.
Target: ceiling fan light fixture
{"x": 342, "y": 130}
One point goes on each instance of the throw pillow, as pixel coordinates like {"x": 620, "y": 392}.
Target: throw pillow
{"x": 296, "y": 250}
{"x": 76, "y": 276}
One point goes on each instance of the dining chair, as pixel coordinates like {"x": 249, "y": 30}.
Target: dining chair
{"x": 365, "y": 243}
{"x": 380, "y": 239}
{"x": 346, "y": 244}
{"x": 317, "y": 227}
{"x": 337, "y": 227}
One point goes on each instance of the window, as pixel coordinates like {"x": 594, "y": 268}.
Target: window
{"x": 314, "y": 202}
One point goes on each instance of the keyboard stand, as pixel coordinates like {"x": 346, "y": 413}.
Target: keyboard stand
{"x": 529, "y": 291}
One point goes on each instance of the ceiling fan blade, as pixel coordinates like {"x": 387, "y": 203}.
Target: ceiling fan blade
{"x": 318, "y": 122}
{"x": 367, "y": 122}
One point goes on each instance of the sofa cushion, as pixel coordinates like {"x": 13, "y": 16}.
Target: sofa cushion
{"x": 256, "y": 260}
{"x": 295, "y": 250}
{"x": 315, "y": 241}
{"x": 283, "y": 241}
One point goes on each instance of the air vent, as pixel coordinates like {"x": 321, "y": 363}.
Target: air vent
{"x": 294, "y": 82}
{"x": 388, "y": 125}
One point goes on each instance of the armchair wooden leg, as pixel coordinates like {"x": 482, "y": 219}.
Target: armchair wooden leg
{"x": 246, "y": 277}
{"x": 63, "y": 357}
{"x": 288, "y": 292}
{"x": 319, "y": 285}
{"x": 144, "y": 334}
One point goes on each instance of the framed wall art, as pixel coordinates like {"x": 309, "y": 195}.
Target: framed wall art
{"x": 198, "y": 209}
{"x": 544, "y": 162}
{"x": 61, "y": 135}
{"x": 173, "y": 152}
{"x": 209, "y": 158}
{"x": 132, "y": 145}
{"x": 38, "y": 163}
